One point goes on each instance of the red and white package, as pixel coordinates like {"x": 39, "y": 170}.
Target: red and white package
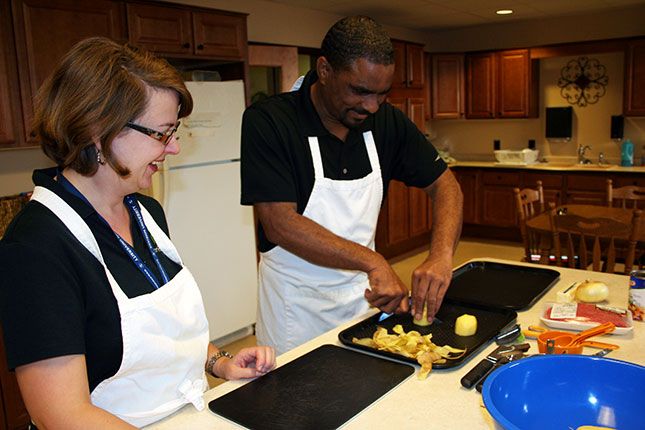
{"x": 581, "y": 316}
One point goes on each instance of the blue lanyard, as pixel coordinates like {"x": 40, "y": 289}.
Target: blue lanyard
{"x": 134, "y": 208}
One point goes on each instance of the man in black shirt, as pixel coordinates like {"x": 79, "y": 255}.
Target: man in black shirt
{"x": 316, "y": 164}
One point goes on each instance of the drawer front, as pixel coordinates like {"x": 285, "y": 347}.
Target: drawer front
{"x": 624, "y": 180}
{"x": 548, "y": 180}
{"x": 501, "y": 178}
{"x": 587, "y": 182}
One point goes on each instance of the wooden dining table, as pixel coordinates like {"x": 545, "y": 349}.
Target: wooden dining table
{"x": 541, "y": 224}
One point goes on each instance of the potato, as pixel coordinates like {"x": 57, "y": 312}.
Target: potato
{"x": 466, "y": 325}
{"x": 423, "y": 322}
{"x": 592, "y": 291}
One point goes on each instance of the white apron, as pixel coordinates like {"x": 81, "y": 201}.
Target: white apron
{"x": 165, "y": 334}
{"x": 300, "y": 300}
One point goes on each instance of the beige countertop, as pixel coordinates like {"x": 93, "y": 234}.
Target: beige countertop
{"x": 553, "y": 166}
{"x": 440, "y": 401}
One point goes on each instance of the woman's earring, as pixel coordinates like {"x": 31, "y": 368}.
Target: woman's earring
{"x": 99, "y": 157}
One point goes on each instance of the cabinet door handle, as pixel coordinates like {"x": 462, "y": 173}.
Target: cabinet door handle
{"x": 186, "y": 45}
{"x": 200, "y": 47}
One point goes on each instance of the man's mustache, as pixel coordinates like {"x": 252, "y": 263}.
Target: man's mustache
{"x": 360, "y": 111}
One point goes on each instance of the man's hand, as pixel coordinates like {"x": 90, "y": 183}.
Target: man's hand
{"x": 430, "y": 282}
{"x": 387, "y": 291}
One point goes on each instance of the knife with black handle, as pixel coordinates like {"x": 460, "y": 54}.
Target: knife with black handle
{"x": 482, "y": 369}
{"x": 495, "y": 359}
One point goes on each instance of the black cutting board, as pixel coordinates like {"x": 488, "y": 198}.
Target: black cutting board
{"x": 497, "y": 285}
{"x": 490, "y": 322}
{"x": 322, "y": 389}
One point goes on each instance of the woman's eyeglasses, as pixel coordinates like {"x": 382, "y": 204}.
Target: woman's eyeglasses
{"x": 161, "y": 137}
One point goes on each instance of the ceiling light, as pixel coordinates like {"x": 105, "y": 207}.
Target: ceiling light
{"x": 504, "y": 12}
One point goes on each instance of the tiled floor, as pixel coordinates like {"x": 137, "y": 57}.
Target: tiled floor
{"x": 466, "y": 250}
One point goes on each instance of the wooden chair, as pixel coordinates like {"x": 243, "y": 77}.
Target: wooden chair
{"x": 630, "y": 196}
{"x": 589, "y": 237}
{"x": 530, "y": 202}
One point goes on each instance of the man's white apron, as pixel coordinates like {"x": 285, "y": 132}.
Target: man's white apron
{"x": 165, "y": 334}
{"x": 300, "y": 300}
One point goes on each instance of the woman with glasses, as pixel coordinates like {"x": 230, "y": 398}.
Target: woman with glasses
{"x": 102, "y": 322}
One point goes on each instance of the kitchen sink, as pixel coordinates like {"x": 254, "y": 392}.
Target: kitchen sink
{"x": 578, "y": 165}
{"x": 593, "y": 166}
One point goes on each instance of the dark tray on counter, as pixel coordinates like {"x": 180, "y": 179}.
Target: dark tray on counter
{"x": 490, "y": 321}
{"x": 490, "y": 291}
{"x": 499, "y": 285}
{"x": 322, "y": 389}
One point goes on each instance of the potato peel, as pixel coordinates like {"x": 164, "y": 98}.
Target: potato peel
{"x": 413, "y": 345}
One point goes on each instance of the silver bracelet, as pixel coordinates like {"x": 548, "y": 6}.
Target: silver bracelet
{"x": 211, "y": 362}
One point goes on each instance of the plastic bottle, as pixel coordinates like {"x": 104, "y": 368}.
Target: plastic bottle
{"x": 627, "y": 154}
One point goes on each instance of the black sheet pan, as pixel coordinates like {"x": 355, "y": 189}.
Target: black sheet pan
{"x": 498, "y": 285}
{"x": 490, "y": 321}
{"x": 322, "y": 389}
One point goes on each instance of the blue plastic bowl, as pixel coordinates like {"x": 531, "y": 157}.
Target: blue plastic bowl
{"x": 566, "y": 391}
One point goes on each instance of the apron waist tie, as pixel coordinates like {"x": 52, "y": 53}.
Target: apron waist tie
{"x": 193, "y": 392}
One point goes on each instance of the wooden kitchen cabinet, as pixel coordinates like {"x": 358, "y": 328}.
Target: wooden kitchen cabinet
{"x": 552, "y": 184}
{"x": 501, "y": 84}
{"x": 634, "y": 88}
{"x": 13, "y": 408}
{"x": 480, "y": 81}
{"x": 469, "y": 182}
{"x": 586, "y": 189}
{"x": 517, "y": 85}
{"x": 8, "y": 80}
{"x": 499, "y": 208}
{"x": 46, "y": 29}
{"x": 448, "y": 86}
{"x": 177, "y": 31}
{"x": 408, "y": 65}
{"x": 405, "y": 220}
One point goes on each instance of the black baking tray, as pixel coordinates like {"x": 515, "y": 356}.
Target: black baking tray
{"x": 492, "y": 292}
{"x": 322, "y": 389}
{"x": 490, "y": 321}
{"x": 499, "y": 285}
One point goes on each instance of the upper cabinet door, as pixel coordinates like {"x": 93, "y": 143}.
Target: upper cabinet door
{"x": 634, "y": 92}
{"x": 416, "y": 75}
{"x": 514, "y": 78}
{"x": 219, "y": 35}
{"x": 400, "y": 78}
{"x": 408, "y": 65}
{"x": 480, "y": 95}
{"x": 46, "y": 29}
{"x": 448, "y": 92}
{"x": 7, "y": 131}
{"x": 164, "y": 30}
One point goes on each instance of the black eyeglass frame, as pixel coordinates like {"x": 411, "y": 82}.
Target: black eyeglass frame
{"x": 157, "y": 135}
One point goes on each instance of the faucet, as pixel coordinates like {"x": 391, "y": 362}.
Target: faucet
{"x": 601, "y": 159}
{"x": 581, "y": 154}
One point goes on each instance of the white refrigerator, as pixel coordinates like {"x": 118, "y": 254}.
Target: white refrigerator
{"x": 200, "y": 191}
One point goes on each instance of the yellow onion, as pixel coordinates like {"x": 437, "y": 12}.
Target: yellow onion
{"x": 592, "y": 291}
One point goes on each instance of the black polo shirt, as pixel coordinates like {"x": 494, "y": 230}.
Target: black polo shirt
{"x": 276, "y": 160}
{"x": 55, "y": 298}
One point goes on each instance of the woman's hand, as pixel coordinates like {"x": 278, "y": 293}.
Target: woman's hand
{"x": 248, "y": 363}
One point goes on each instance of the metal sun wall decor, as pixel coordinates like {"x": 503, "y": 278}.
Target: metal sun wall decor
{"x": 583, "y": 81}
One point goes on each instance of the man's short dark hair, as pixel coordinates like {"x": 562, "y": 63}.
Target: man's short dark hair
{"x": 356, "y": 37}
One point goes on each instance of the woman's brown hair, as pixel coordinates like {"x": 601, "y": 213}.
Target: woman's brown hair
{"x": 94, "y": 91}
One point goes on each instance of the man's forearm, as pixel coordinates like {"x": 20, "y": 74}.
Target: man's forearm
{"x": 312, "y": 242}
{"x": 447, "y": 215}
